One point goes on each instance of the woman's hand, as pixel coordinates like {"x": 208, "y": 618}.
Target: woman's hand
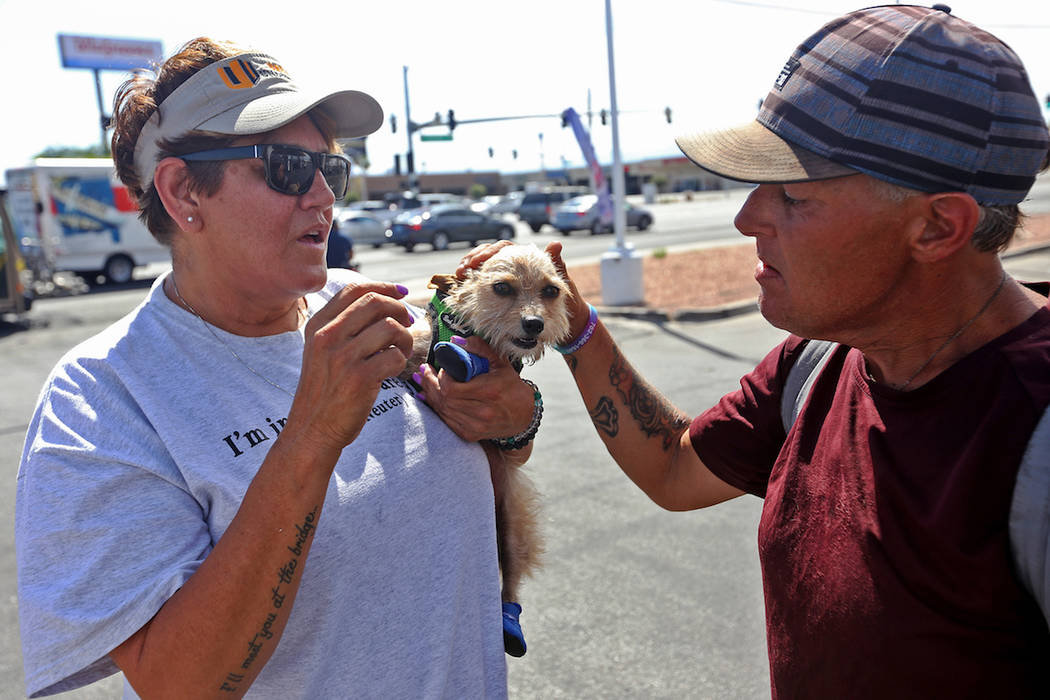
{"x": 496, "y": 404}
{"x": 356, "y": 341}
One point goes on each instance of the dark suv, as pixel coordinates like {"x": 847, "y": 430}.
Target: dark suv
{"x": 537, "y": 208}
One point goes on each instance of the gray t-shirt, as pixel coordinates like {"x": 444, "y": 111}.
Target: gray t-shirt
{"x": 142, "y": 445}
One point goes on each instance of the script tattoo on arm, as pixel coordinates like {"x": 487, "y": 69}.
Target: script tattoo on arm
{"x": 285, "y": 577}
{"x": 653, "y": 413}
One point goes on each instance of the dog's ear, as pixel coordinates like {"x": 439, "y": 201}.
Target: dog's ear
{"x": 443, "y": 283}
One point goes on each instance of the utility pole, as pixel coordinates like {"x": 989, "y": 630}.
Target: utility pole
{"x": 543, "y": 169}
{"x": 590, "y": 130}
{"x": 590, "y": 114}
{"x": 102, "y": 118}
{"x": 621, "y": 266}
{"x": 410, "y": 159}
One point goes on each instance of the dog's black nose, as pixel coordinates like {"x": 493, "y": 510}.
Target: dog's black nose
{"x": 533, "y": 325}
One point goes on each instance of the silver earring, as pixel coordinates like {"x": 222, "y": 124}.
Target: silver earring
{"x": 189, "y": 219}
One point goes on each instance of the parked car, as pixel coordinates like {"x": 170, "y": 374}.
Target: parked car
{"x": 498, "y": 205}
{"x": 445, "y": 223}
{"x": 362, "y": 227}
{"x": 508, "y": 203}
{"x": 537, "y": 208}
{"x": 581, "y": 213}
{"x": 369, "y": 205}
{"x": 409, "y": 201}
{"x": 485, "y": 204}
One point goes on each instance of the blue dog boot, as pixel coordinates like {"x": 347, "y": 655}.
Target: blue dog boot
{"x": 462, "y": 365}
{"x": 513, "y": 639}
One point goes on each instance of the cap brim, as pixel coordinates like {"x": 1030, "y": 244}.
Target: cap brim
{"x": 353, "y": 113}
{"x": 753, "y": 153}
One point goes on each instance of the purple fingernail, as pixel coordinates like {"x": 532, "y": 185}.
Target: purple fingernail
{"x": 459, "y": 340}
{"x": 419, "y": 395}
{"x": 422, "y": 369}
{"x": 417, "y": 378}
{"x": 402, "y": 288}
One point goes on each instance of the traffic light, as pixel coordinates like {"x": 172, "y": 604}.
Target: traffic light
{"x": 514, "y": 153}
{"x": 393, "y": 123}
{"x": 604, "y": 115}
{"x": 490, "y": 151}
{"x": 667, "y": 113}
{"x": 451, "y": 120}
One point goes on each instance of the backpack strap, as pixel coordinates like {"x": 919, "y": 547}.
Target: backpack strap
{"x": 811, "y": 359}
{"x": 1030, "y": 516}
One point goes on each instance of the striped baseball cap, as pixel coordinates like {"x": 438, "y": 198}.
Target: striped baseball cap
{"x": 911, "y": 95}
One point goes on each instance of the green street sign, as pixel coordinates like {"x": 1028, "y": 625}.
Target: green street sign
{"x": 435, "y": 137}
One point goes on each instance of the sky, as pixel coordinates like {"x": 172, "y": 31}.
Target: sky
{"x": 710, "y": 61}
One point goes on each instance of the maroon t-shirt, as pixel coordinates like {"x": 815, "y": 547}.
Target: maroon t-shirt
{"x": 884, "y": 544}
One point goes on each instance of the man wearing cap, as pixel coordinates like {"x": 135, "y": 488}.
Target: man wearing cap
{"x": 890, "y": 156}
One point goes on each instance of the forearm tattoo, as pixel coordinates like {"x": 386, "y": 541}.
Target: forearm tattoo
{"x": 653, "y": 413}
{"x": 605, "y": 417}
{"x": 285, "y": 577}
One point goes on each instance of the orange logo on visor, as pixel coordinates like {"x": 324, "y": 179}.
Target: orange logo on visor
{"x": 238, "y": 74}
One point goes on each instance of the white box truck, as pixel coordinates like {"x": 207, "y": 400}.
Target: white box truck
{"x": 84, "y": 218}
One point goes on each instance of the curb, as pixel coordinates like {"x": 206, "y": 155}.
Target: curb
{"x": 713, "y": 313}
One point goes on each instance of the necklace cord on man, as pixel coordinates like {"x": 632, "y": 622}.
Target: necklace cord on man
{"x": 956, "y": 334}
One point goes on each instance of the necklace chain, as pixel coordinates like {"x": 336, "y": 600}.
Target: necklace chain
{"x": 955, "y": 335}
{"x": 215, "y": 335}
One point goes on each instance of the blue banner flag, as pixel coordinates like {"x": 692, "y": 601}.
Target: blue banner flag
{"x": 601, "y": 185}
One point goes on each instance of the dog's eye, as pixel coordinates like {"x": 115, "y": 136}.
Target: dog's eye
{"x": 503, "y": 289}
{"x": 550, "y": 292}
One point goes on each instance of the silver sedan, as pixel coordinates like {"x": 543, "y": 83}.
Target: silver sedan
{"x": 362, "y": 228}
{"x": 581, "y": 213}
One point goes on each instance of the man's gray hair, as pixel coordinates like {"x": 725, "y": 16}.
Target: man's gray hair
{"x": 995, "y": 226}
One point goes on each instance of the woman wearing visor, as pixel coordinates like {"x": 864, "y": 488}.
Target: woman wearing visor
{"x": 226, "y": 490}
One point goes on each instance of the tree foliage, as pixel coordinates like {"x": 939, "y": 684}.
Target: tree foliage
{"x": 95, "y": 151}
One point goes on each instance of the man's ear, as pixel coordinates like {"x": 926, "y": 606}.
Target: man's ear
{"x": 949, "y": 221}
{"x": 171, "y": 178}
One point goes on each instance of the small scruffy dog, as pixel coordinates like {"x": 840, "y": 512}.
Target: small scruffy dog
{"x": 516, "y": 302}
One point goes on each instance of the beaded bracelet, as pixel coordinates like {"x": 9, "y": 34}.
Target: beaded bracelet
{"x": 592, "y": 323}
{"x": 523, "y": 438}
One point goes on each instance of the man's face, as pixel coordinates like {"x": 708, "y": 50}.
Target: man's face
{"x": 831, "y": 254}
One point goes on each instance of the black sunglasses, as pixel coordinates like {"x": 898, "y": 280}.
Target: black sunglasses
{"x": 289, "y": 170}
